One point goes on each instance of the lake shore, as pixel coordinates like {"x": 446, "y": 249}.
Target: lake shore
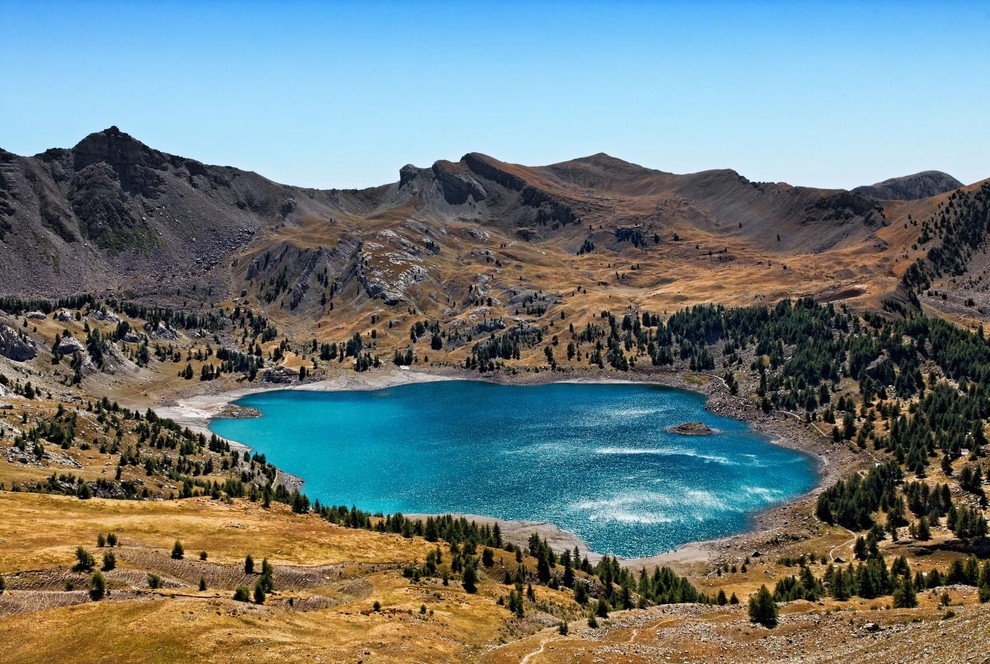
{"x": 783, "y": 522}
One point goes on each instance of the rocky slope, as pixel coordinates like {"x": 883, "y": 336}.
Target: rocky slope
{"x": 473, "y": 239}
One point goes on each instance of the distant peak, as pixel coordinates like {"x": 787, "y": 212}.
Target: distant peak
{"x": 110, "y": 134}
{"x": 910, "y": 187}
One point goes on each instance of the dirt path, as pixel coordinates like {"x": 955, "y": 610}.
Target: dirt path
{"x": 538, "y": 651}
{"x": 849, "y": 542}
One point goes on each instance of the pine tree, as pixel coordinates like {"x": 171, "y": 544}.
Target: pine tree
{"x": 469, "y": 579}
{"x": 904, "y": 596}
{"x": 763, "y": 608}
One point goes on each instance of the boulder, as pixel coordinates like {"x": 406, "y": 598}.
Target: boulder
{"x": 161, "y": 332}
{"x": 15, "y": 346}
{"x": 105, "y": 316}
{"x": 63, "y": 315}
{"x": 281, "y": 375}
{"x": 35, "y": 315}
{"x": 69, "y": 346}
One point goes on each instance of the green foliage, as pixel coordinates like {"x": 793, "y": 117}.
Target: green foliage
{"x": 242, "y": 594}
{"x": 905, "y": 596}
{"x": 763, "y": 608}
{"x": 968, "y": 523}
{"x": 109, "y": 561}
{"x": 84, "y": 560}
{"x": 469, "y": 578}
{"x": 97, "y": 586}
{"x": 178, "y": 552}
{"x": 804, "y": 586}
{"x": 850, "y": 502}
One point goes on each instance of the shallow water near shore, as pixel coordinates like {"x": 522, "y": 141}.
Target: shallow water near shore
{"x": 594, "y": 459}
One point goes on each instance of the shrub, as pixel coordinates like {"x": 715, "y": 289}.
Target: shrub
{"x": 154, "y": 581}
{"x": 84, "y": 560}
{"x": 112, "y": 539}
{"x": 97, "y": 587}
{"x": 178, "y": 553}
{"x": 242, "y": 594}
{"x": 202, "y": 584}
{"x": 109, "y": 561}
{"x": 202, "y": 555}
{"x": 259, "y": 592}
{"x": 249, "y": 564}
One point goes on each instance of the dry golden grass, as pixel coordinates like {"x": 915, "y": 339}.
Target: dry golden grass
{"x": 43, "y": 530}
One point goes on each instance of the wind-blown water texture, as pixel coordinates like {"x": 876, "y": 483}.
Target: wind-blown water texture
{"x": 593, "y": 459}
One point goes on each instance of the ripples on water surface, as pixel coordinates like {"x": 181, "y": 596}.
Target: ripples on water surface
{"x": 593, "y": 459}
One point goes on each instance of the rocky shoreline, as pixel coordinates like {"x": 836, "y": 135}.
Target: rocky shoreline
{"x": 785, "y": 522}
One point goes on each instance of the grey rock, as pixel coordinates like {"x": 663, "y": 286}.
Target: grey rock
{"x": 105, "y": 316}
{"x": 280, "y": 375}
{"x": 161, "y": 332}
{"x": 15, "y": 346}
{"x": 69, "y": 346}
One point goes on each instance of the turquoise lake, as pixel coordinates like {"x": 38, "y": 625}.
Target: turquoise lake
{"x": 593, "y": 459}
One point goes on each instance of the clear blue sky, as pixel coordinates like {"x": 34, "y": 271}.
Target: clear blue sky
{"x": 343, "y": 94}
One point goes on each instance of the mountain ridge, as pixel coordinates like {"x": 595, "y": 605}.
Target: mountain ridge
{"x": 113, "y": 214}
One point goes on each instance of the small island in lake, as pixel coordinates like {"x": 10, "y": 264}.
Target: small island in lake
{"x": 692, "y": 429}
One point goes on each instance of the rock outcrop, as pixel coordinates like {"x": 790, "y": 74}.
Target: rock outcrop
{"x": 15, "y": 346}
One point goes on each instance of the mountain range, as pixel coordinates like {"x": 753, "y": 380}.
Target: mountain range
{"x": 476, "y": 237}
